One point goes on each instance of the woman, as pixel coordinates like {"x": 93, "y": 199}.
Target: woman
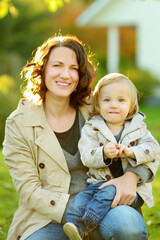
{"x": 40, "y": 148}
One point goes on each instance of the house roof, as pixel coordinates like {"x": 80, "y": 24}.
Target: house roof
{"x": 119, "y": 12}
{"x": 91, "y": 11}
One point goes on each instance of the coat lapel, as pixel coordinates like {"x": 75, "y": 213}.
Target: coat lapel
{"x": 44, "y": 136}
{"x": 99, "y": 123}
{"x": 48, "y": 142}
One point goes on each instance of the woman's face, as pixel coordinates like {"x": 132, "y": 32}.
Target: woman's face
{"x": 61, "y": 72}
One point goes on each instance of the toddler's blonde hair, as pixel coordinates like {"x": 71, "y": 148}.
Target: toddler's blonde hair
{"x": 112, "y": 78}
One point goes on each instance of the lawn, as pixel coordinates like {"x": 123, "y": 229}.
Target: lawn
{"x": 9, "y": 200}
{"x": 152, "y": 215}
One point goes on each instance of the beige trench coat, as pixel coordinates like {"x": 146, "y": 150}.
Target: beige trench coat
{"x": 38, "y": 169}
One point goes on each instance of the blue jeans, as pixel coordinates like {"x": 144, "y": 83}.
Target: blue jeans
{"x": 120, "y": 223}
{"x": 94, "y": 203}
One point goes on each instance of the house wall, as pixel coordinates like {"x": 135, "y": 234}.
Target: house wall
{"x": 148, "y": 45}
{"x": 145, "y": 16}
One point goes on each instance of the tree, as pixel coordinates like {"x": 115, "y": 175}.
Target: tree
{"x": 7, "y": 6}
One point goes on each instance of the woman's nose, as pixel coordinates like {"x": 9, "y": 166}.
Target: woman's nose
{"x": 64, "y": 73}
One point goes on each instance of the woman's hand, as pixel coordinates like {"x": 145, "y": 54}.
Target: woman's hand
{"x": 125, "y": 188}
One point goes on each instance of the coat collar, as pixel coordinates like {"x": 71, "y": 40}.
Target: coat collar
{"x": 136, "y": 123}
{"x": 33, "y": 114}
{"x": 98, "y": 122}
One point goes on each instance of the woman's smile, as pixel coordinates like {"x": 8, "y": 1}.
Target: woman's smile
{"x": 63, "y": 84}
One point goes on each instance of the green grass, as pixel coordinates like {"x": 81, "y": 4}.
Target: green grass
{"x": 152, "y": 215}
{"x": 152, "y": 119}
{"x": 9, "y": 199}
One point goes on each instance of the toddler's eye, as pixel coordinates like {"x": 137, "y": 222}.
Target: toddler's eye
{"x": 121, "y": 100}
{"x": 107, "y": 100}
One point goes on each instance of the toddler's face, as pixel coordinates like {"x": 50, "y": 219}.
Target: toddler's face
{"x": 114, "y": 103}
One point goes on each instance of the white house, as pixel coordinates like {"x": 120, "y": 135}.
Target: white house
{"x": 143, "y": 15}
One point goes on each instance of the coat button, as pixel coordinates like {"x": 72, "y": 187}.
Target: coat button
{"x": 132, "y": 143}
{"x": 147, "y": 151}
{"x": 108, "y": 177}
{"x": 95, "y": 129}
{"x": 101, "y": 144}
{"x": 93, "y": 176}
{"x": 42, "y": 165}
{"x": 52, "y": 202}
{"x": 92, "y": 152}
{"x": 19, "y": 237}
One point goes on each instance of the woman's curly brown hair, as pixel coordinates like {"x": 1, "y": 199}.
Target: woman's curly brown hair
{"x": 33, "y": 72}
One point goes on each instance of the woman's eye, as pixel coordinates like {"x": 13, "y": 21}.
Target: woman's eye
{"x": 56, "y": 65}
{"x": 107, "y": 100}
{"x": 74, "y": 68}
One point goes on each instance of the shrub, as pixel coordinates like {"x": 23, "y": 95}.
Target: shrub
{"x": 143, "y": 80}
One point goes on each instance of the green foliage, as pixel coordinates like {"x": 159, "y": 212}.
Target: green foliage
{"x": 23, "y": 34}
{"x": 3, "y": 9}
{"x": 143, "y": 80}
{"x": 8, "y": 104}
{"x": 53, "y": 5}
{"x": 6, "y": 83}
{"x": 7, "y": 6}
{"x": 19, "y": 37}
{"x": 152, "y": 119}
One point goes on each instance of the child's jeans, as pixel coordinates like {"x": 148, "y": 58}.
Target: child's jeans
{"x": 95, "y": 203}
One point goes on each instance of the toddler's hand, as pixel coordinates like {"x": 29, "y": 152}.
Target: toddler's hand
{"x": 110, "y": 150}
{"x": 124, "y": 151}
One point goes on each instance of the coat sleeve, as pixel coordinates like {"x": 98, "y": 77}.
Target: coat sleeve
{"x": 19, "y": 158}
{"x": 147, "y": 153}
{"x": 90, "y": 150}
{"x": 146, "y": 150}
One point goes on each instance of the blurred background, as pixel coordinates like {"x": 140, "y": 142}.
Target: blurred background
{"x": 24, "y": 25}
{"x": 123, "y": 36}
